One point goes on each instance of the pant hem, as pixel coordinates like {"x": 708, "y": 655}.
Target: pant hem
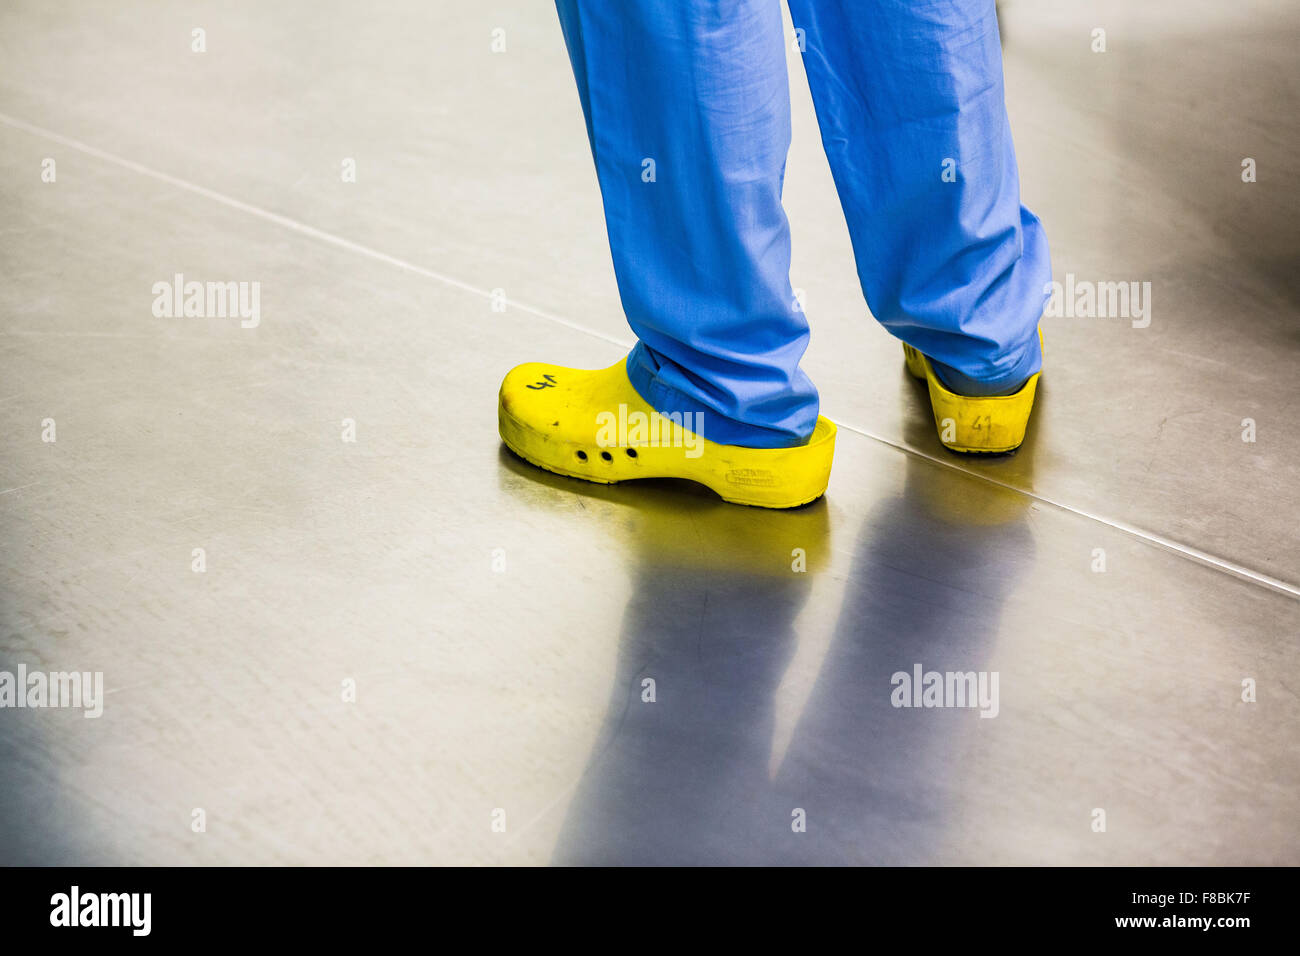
{"x": 712, "y": 425}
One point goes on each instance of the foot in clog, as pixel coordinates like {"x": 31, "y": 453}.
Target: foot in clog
{"x": 988, "y": 425}
{"x": 593, "y": 425}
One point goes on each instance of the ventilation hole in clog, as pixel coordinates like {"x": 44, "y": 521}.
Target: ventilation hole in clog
{"x": 631, "y": 453}
{"x": 582, "y": 456}
{"x": 607, "y": 456}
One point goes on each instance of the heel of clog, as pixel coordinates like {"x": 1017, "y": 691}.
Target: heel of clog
{"x": 990, "y": 425}
{"x": 773, "y": 477}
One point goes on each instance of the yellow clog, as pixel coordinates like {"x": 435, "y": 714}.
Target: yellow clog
{"x": 987, "y": 426}
{"x": 593, "y": 425}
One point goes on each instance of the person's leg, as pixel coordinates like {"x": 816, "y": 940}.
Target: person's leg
{"x": 687, "y": 108}
{"x": 909, "y": 98}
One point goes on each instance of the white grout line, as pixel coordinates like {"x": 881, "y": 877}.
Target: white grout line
{"x": 1186, "y": 550}
{"x": 1194, "y": 554}
{"x": 298, "y": 227}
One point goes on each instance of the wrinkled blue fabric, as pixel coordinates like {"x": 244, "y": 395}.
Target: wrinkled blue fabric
{"x": 688, "y": 112}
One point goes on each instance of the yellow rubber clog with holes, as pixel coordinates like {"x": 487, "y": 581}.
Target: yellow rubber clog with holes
{"x": 989, "y": 426}
{"x": 593, "y": 425}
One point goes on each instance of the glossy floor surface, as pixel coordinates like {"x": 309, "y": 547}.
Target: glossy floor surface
{"x": 1127, "y": 577}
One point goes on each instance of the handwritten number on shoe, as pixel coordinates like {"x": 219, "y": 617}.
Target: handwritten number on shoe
{"x": 549, "y": 383}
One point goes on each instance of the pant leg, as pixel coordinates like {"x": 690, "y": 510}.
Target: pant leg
{"x": 700, "y": 242}
{"x": 955, "y": 268}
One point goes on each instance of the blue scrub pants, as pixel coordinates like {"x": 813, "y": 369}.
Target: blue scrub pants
{"x": 688, "y": 112}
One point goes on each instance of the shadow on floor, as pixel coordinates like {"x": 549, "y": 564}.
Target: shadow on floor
{"x": 765, "y": 703}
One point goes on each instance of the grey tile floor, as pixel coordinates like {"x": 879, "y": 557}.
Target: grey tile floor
{"x": 498, "y": 622}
